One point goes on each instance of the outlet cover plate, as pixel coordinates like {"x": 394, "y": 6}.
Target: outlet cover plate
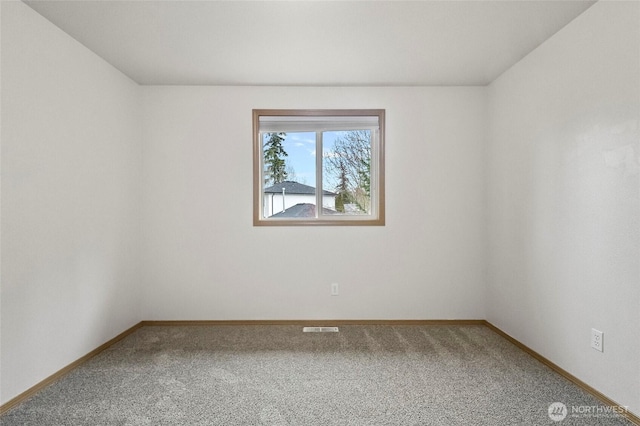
{"x": 335, "y": 289}
{"x": 597, "y": 340}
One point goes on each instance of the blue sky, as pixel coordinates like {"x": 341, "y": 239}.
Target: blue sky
{"x": 301, "y": 147}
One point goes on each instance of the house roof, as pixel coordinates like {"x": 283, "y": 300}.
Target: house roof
{"x": 303, "y": 210}
{"x": 291, "y": 187}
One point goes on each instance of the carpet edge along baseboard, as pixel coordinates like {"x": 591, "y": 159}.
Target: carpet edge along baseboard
{"x": 320, "y": 323}
{"x": 17, "y": 400}
{"x": 64, "y": 371}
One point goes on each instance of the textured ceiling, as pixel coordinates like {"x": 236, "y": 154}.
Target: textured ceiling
{"x": 355, "y": 43}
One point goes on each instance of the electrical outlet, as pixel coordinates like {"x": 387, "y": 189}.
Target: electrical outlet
{"x": 334, "y": 289}
{"x": 597, "y": 342}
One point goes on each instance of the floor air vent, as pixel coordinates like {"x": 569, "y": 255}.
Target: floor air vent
{"x": 320, "y": 329}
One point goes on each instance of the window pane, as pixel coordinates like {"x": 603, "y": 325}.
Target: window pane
{"x": 289, "y": 174}
{"x": 341, "y": 185}
{"x": 346, "y": 168}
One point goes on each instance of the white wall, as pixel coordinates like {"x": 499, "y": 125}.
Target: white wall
{"x": 562, "y": 204}
{"x": 70, "y": 200}
{"x": 204, "y": 259}
{"x": 563, "y": 199}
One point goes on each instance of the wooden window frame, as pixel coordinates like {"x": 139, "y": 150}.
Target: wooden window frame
{"x": 378, "y": 191}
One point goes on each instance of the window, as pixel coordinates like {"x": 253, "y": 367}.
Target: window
{"x": 318, "y": 167}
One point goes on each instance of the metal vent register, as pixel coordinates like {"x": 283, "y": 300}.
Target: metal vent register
{"x": 320, "y": 329}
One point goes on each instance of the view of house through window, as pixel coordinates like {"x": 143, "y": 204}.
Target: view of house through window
{"x": 319, "y": 167}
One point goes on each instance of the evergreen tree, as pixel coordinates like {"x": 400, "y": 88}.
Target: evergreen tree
{"x": 365, "y": 175}
{"x": 274, "y": 163}
{"x": 342, "y": 188}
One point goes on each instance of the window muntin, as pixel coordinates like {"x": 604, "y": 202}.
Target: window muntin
{"x": 291, "y": 179}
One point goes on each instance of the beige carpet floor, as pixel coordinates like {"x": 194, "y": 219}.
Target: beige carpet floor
{"x": 278, "y": 375}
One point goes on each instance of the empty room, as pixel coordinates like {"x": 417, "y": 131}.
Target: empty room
{"x": 320, "y": 212}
